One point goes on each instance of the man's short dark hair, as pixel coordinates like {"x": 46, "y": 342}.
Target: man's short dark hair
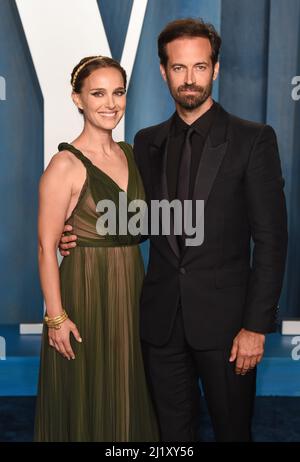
{"x": 188, "y": 27}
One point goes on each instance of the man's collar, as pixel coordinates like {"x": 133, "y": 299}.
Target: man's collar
{"x": 201, "y": 125}
{"x": 218, "y": 132}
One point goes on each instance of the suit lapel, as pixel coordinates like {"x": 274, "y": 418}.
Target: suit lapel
{"x": 209, "y": 165}
{"x": 212, "y": 156}
{"x": 158, "y": 152}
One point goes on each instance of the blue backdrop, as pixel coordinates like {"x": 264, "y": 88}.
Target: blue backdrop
{"x": 260, "y": 55}
{"x": 21, "y": 157}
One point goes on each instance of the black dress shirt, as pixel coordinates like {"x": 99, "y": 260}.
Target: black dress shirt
{"x": 176, "y": 141}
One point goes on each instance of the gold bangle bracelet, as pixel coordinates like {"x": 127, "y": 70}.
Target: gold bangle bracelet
{"x": 56, "y": 321}
{"x": 47, "y": 318}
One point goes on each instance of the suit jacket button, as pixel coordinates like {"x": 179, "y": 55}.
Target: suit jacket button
{"x": 182, "y": 270}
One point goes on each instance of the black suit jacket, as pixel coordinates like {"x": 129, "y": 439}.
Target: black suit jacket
{"x": 220, "y": 288}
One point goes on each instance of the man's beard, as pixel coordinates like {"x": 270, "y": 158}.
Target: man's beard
{"x": 190, "y": 102}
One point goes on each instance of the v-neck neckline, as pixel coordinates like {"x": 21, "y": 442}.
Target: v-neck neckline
{"x": 105, "y": 174}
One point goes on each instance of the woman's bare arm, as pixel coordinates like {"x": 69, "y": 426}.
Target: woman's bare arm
{"x": 55, "y": 194}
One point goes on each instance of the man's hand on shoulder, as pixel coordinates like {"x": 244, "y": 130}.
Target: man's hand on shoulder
{"x": 247, "y": 350}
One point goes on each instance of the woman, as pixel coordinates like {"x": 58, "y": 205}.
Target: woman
{"x": 92, "y": 385}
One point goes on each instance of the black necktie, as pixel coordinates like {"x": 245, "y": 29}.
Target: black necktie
{"x": 183, "y": 182}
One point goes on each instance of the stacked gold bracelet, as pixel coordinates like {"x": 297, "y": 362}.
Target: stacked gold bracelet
{"x": 56, "y": 321}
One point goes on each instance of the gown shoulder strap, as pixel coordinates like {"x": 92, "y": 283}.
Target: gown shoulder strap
{"x": 126, "y": 146}
{"x": 128, "y": 149}
{"x": 69, "y": 147}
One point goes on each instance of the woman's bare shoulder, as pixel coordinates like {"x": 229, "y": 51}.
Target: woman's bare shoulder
{"x": 63, "y": 160}
{"x": 62, "y": 166}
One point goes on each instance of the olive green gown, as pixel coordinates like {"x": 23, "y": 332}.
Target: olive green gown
{"x": 102, "y": 395}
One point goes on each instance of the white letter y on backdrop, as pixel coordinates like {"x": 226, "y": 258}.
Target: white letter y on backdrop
{"x": 59, "y": 33}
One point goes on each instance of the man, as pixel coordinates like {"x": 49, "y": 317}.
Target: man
{"x": 205, "y": 309}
